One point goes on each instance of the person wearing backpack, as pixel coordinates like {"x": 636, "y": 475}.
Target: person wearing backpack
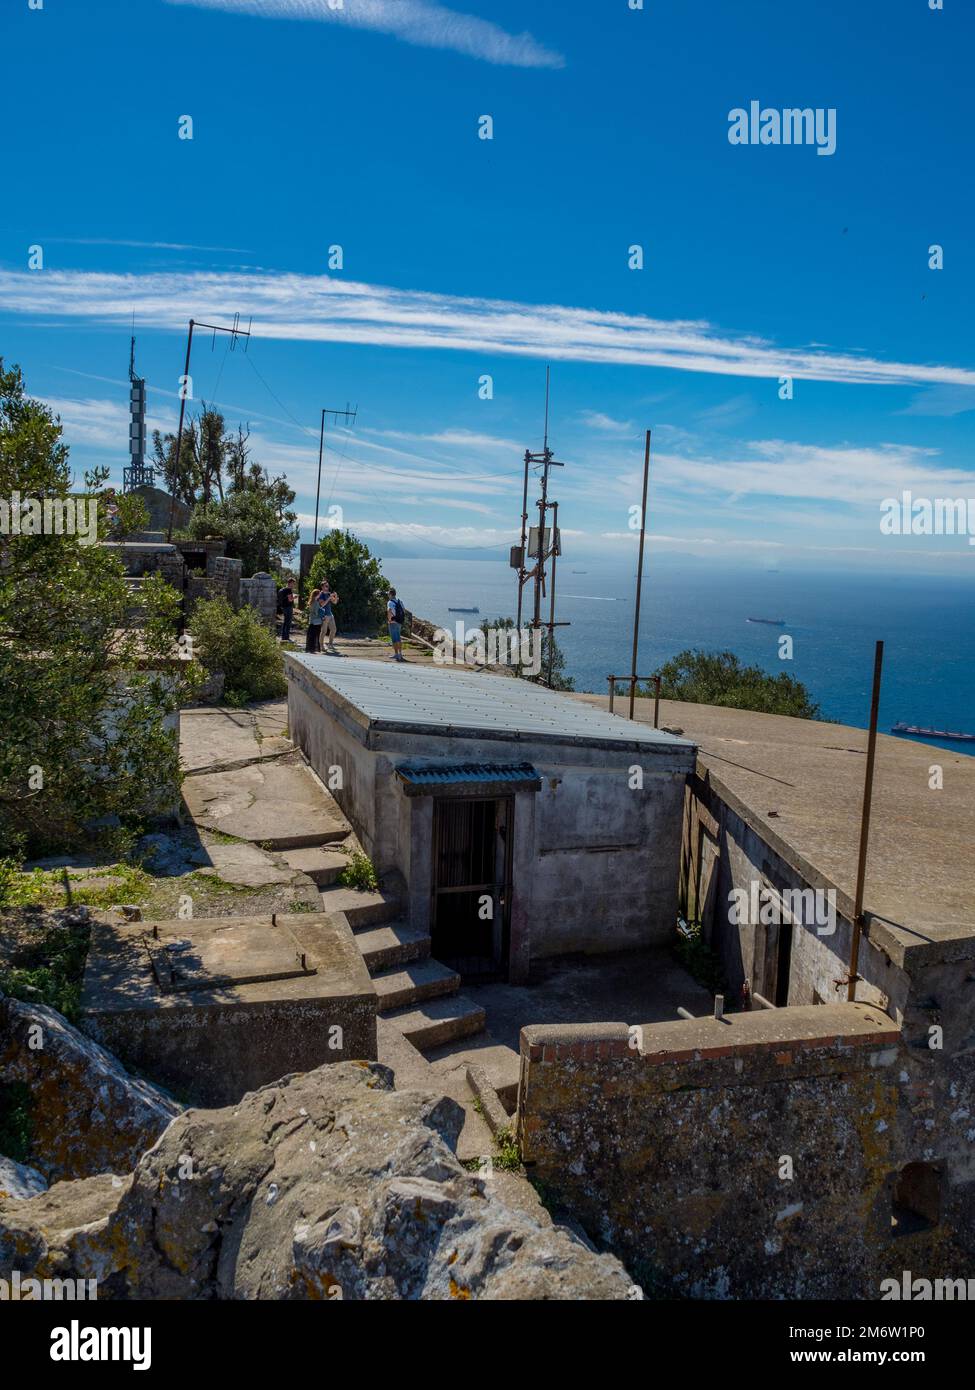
{"x": 286, "y": 607}
{"x": 396, "y": 617}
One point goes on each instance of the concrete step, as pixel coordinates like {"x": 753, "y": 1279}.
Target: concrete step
{"x": 405, "y": 985}
{"x": 362, "y": 907}
{"x": 312, "y": 840}
{"x": 392, "y": 944}
{"x": 501, "y": 1065}
{"x": 439, "y": 1021}
{"x": 322, "y": 863}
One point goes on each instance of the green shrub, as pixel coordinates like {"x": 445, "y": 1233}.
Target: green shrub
{"x": 239, "y": 645}
{"x": 51, "y": 971}
{"x": 508, "y": 1155}
{"x": 359, "y": 873}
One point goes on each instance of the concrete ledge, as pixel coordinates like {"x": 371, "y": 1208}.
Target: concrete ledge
{"x": 494, "y": 1112}
{"x": 781, "y": 1031}
{"x": 559, "y": 1042}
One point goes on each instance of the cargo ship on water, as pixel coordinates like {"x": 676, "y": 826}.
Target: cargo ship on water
{"x": 772, "y": 622}
{"x": 915, "y": 731}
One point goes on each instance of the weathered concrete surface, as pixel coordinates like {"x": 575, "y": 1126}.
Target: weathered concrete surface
{"x": 88, "y": 1114}
{"x": 17, "y": 1180}
{"x": 800, "y": 783}
{"x": 241, "y": 1014}
{"x": 327, "y": 1185}
{"x": 213, "y": 738}
{"x": 761, "y": 1156}
{"x": 277, "y": 803}
{"x": 248, "y": 866}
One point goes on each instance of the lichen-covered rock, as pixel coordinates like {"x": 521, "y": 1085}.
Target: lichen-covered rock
{"x": 88, "y": 1115}
{"x": 17, "y": 1180}
{"x": 324, "y": 1185}
{"x": 62, "y": 1231}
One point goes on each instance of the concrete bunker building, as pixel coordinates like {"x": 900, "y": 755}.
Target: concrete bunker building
{"x": 523, "y": 823}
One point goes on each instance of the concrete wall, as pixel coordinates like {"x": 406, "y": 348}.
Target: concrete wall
{"x": 261, "y": 593}
{"x": 329, "y": 741}
{"x": 739, "y": 851}
{"x": 617, "y": 846}
{"x": 211, "y": 1045}
{"x": 757, "y": 1157}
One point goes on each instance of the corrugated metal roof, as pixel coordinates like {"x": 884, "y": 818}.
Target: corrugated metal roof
{"x": 466, "y": 773}
{"x": 430, "y": 698}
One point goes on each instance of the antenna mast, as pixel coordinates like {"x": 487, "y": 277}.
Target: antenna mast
{"x": 349, "y": 417}
{"x": 543, "y": 541}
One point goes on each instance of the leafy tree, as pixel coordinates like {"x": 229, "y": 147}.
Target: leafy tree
{"x": 253, "y": 512}
{"x": 203, "y": 452}
{"x": 181, "y": 479}
{"x": 132, "y": 516}
{"x": 549, "y": 648}
{"x": 718, "y": 678}
{"x": 254, "y": 528}
{"x": 84, "y": 691}
{"x": 239, "y": 645}
{"x": 356, "y": 576}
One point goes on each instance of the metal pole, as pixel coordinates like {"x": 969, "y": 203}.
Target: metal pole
{"x": 318, "y": 485}
{"x": 540, "y": 563}
{"x": 179, "y": 432}
{"x": 524, "y": 532}
{"x": 656, "y": 702}
{"x": 851, "y": 984}
{"x": 551, "y": 611}
{"x": 612, "y": 691}
{"x": 639, "y": 572}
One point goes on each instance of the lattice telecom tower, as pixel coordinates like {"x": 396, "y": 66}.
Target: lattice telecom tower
{"x": 138, "y": 473}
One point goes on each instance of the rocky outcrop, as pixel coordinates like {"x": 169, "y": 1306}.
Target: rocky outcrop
{"x": 88, "y": 1115}
{"x": 18, "y": 1181}
{"x": 325, "y": 1185}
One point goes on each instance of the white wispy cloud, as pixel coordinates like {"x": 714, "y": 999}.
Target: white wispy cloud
{"x": 309, "y": 308}
{"x": 99, "y": 422}
{"x": 596, "y": 420}
{"x": 141, "y": 245}
{"x": 840, "y": 475}
{"x": 423, "y": 23}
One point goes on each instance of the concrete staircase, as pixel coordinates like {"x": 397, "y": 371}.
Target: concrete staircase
{"x": 420, "y": 1003}
{"x": 420, "y": 996}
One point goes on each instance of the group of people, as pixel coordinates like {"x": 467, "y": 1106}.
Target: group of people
{"x": 321, "y": 606}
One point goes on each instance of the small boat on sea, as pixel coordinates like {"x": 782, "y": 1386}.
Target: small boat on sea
{"x": 772, "y": 622}
{"x": 915, "y": 731}
{"x": 463, "y": 610}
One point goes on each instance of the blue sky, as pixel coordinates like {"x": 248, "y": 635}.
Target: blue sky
{"x": 357, "y": 126}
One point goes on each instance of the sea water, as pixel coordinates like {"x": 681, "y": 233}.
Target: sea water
{"x": 927, "y": 624}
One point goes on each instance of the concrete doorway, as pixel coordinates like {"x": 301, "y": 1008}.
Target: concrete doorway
{"x": 471, "y": 890}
